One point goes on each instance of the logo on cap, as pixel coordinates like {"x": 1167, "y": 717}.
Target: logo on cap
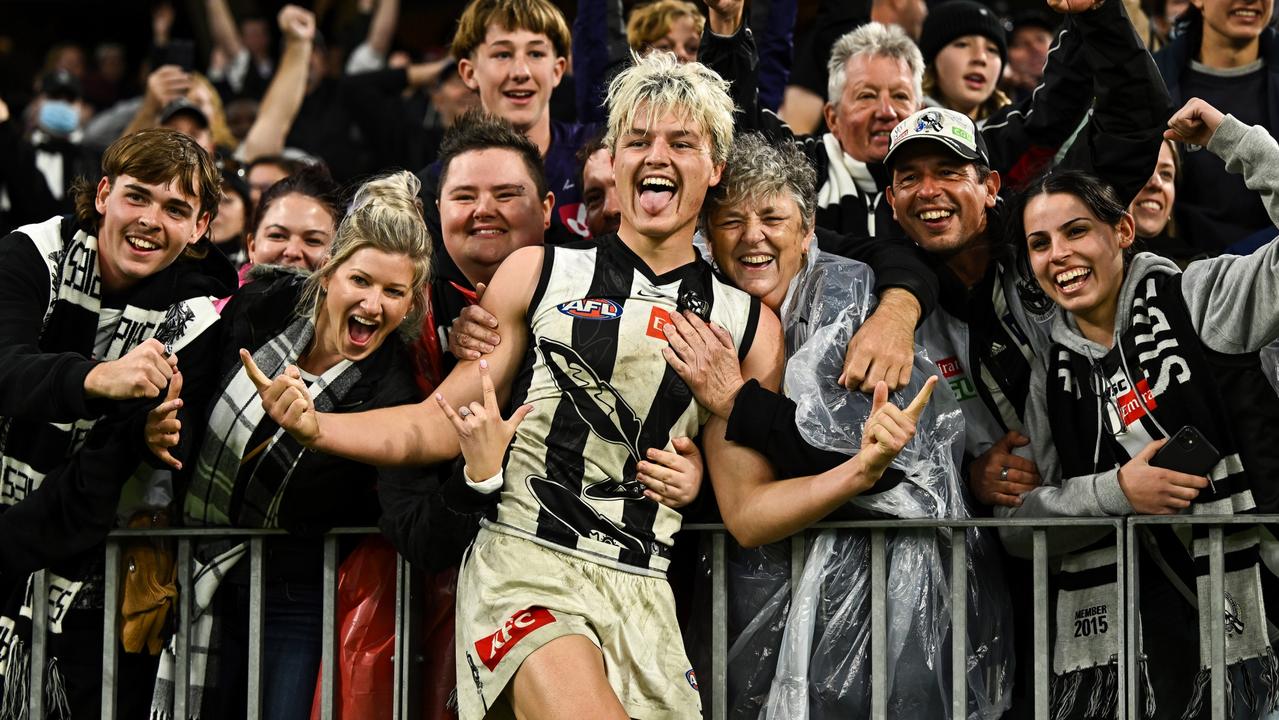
{"x": 953, "y": 130}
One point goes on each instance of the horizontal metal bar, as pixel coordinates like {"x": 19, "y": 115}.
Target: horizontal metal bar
{"x": 227, "y": 532}
{"x": 923, "y": 523}
{"x": 1203, "y": 519}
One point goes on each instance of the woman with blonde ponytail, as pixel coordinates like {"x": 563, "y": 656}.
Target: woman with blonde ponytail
{"x": 338, "y": 332}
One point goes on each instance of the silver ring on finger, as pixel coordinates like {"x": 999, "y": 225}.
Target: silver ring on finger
{"x": 463, "y": 411}
{"x": 1003, "y": 473}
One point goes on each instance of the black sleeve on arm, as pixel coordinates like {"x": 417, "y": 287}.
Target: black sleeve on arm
{"x": 430, "y": 515}
{"x": 1121, "y": 142}
{"x": 736, "y": 59}
{"x": 1023, "y": 139}
{"x": 764, "y": 421}
{"x": 74, "y": 507}
{"x": 897, "y": 263}
{"x": 835, "y": 18}
{"x": 33, "y": 384}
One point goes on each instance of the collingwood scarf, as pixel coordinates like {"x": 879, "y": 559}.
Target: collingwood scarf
{"x": 850, "y": 191}
{"x": 30, "y": 449}
{"x": 215, "y": 560}
{"x": 1162, "y": 360}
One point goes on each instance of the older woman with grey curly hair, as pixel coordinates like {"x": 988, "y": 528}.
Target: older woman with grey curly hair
{"x": 759, "y": 224}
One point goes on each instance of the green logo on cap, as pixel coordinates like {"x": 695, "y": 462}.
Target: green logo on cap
{"x": 960, "y": 133}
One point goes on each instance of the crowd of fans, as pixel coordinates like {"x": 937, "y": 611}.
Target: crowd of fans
{"x": 531, "y": 305}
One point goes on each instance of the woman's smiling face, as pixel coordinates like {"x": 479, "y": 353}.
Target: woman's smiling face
{"x": 1077, "y": 259}
{"x": 365, "y": 299}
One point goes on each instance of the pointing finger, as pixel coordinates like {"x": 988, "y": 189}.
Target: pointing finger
{"x": 256, "y": 376}
{"x": 175, "y": 387}
{"x": 490, "y": 393}
{"x": 916, "y": 406}
{"x": 459, "y": 425}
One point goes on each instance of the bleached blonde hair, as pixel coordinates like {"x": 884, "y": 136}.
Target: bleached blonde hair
{"x": 661, "y": 84}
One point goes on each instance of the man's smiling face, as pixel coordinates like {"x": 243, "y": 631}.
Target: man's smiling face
{"x": 939, "y": 199}
{"x": 145, "y": 227}
{"x": 514, "y": 72}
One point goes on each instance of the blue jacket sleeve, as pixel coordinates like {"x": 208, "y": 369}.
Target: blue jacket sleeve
{"x": 600, "y": 51}
{"x": 776, "y": 42}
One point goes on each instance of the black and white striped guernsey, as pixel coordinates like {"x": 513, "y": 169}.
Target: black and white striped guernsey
{"x": 602, "y": 396}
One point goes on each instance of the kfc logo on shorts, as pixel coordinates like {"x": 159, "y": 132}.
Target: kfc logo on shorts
{"x": 657, "y": 319}
{"x": 494, "y": 647}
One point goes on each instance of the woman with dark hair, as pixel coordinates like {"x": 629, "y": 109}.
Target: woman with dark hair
{"x": 227, "y": 230}
{"x": 1145, "y": 356}
{"x": 292, "y": 227}
{"x": 295, "y": 221}
{"x": 1152, "y": 210}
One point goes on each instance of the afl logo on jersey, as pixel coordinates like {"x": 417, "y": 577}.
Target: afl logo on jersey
{"x": 591, "y": 309}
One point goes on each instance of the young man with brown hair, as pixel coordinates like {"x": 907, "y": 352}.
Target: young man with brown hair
{"x": 97, "y": 313}
{"x": 514, "y": 54}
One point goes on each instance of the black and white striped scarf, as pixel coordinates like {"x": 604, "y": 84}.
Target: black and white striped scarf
{"x": 215, "y": 560}
{"x": 1164, "y": 363}
{"x": 243, "y": 448}
{"x": 31, "y": 449}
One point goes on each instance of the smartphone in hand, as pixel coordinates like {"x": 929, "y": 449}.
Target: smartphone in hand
{"x": 1188, "y": 452}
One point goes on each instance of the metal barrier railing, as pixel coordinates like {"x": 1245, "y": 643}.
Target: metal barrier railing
{"x": 1040, "y": 527}
{"x": 1124, "y": 530}
{"x": 256, "y": 556}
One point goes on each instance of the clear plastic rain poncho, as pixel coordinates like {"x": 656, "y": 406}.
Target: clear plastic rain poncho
{"x": 822, "y": 666}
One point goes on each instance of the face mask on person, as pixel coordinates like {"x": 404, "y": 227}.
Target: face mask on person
{"x": 59, "y": 117}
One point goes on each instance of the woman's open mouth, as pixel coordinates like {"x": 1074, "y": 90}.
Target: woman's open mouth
{"x": 360, "y": 330}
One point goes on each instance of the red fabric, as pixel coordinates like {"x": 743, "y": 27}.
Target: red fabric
{"x": 428, "y": 358}
{"x": 366, "y": 634}
{"x": 1028, "y": 167}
